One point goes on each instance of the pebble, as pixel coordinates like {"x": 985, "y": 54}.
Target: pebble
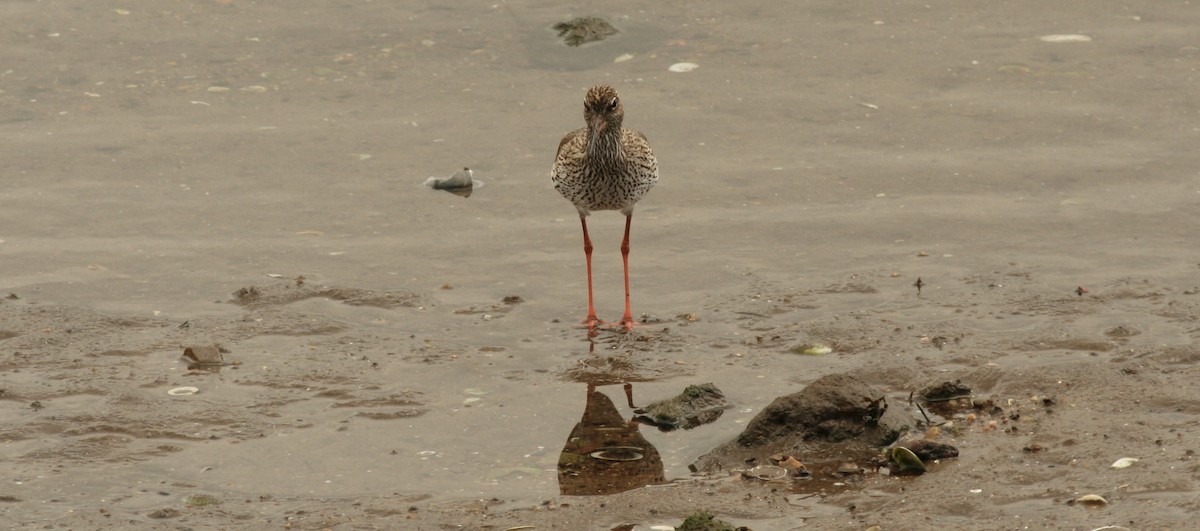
{"x": 683, "y": 67}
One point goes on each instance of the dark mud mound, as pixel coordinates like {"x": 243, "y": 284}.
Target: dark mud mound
{"x": 837, "y": 409}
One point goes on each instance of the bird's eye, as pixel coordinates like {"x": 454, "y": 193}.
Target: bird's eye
{"x": 612, "y": 105}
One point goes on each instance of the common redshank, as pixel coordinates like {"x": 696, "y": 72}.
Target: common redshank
{"x": 604, "y": 166}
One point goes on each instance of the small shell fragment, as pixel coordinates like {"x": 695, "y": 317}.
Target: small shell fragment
{"x": 793, "y": 464}
{"x": 683, "y": 67}
{"x": 623, "y": 57}
{"x": 812, "y": 349}
{"x": 1065, "y": 38}
{"x": 183, "y": 391}
{"x": 907, "y": 459}
{"x": 1094, "y": 500}
{"x": 1124, "y": 462}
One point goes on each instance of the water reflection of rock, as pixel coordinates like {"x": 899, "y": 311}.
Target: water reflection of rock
{"x": 605, "y": 453}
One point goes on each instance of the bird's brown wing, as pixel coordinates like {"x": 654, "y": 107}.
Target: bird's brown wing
{"x": 571, "y": 146}
{"x": 567, "y": 138}
{"x": 640, "y": 136}
{"x": 645, "y": 157}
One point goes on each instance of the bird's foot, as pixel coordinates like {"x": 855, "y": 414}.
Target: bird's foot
{"x": 591, "y": 322}
{"x": 627, "y": 323}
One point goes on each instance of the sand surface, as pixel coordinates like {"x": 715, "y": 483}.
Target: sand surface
{"x": 160, "y": 156}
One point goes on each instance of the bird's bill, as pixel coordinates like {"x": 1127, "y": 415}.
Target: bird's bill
{"x": 597, "y": 123}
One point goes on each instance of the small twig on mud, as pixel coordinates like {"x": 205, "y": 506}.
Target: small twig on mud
{"x": 922, "y": 410}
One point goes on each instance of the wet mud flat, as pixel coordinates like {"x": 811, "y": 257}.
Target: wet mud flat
{"x": 1077, "y": 383}
{"x": 911, "y": 195}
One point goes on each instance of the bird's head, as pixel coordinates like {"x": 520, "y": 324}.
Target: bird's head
{"x": 602, "y": 109}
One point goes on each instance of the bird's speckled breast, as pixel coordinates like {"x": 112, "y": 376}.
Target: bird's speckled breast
{"x": 609, "y": 178}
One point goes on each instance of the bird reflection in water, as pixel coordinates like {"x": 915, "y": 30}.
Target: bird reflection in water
{"x": 605, "y": 453}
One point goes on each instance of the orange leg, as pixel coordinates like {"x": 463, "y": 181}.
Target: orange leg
{"x": 627, "y": 319}
{"x": 591, "y": 320}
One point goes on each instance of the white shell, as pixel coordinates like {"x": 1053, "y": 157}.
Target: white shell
{"x": 183, "y": 391}
{"x": 1065, "y": 38}
{"x": 683, "y": 67}
{"x": 1124, "y": 462}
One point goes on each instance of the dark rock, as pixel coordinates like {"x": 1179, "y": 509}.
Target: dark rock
{"x": 929, "y": 450}
{"x": 836, "y": 410}
{"x": 945, "y": 391}
{"x": 695, "y": 406}
{"x": 461, "y": 183}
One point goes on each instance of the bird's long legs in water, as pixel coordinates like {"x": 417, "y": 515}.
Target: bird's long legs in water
{"x": 591, "y": 320}
{"x": 627, "y": 319}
